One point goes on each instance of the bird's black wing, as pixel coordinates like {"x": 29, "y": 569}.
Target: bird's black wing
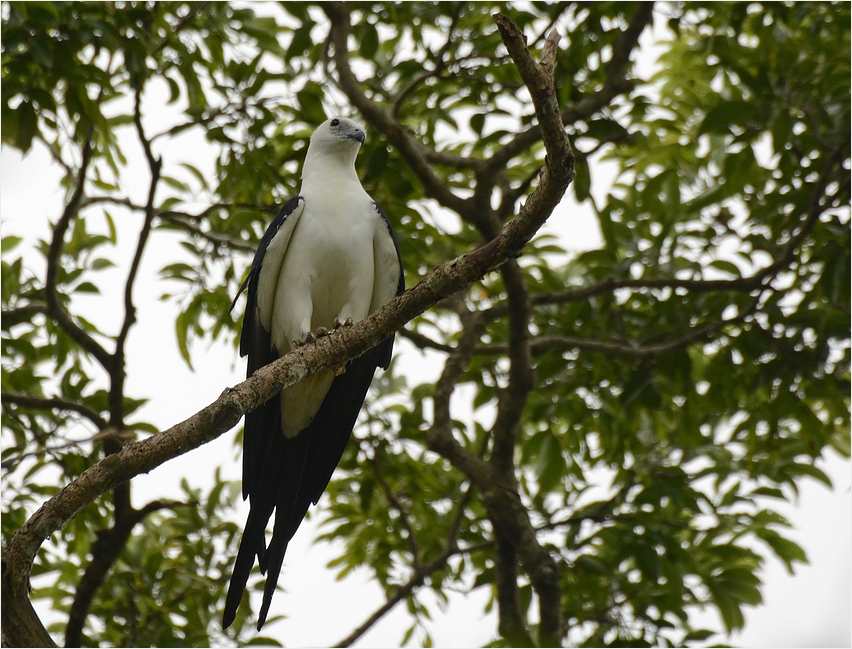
{"x": 256, "y": 343}
{"x": 260, "y": 442}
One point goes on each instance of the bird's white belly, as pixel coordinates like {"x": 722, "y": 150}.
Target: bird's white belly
{"x": 327, "y": 274}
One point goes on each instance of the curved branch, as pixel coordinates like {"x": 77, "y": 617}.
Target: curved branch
{"x": 440, "y": 437}
{"x": 117, "y": 375}
{"x": 225, "y": 412}
{"x": 186, "y": 221}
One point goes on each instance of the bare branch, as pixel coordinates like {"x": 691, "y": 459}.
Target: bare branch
{"x": 117, "y": 375}
{"x": 19, "y": 314}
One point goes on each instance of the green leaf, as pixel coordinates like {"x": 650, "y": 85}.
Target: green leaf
{"x": 582, "y": 182}
{"x": 786, "y": 550}
{"x": 730, "y": 113}
{"x": 10, "y": 242}
{"x": 726, "y": 267}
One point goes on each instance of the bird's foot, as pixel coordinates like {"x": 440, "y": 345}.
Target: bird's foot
{"x": 346, "y": 323}
{"x": 311, "y": 337}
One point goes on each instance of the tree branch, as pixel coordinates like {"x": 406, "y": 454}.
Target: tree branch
{"x": 121, "y": 435}
{"x": 420, "y": 573}
{"x": 185, "y": 221}
{"x": 55, "y": 307}
{"x": 440, "y": 437}
{"x": 19, "y": 314}
{"x": 105, "y": 552}
{"x": 514, "y": 533}
{"x": 53, "y": 403}
{"x": 615, "y": 84}
{"x": 111, "y": 542}
{"x": 395, "y": 502}
{"x": 117, "y": 375}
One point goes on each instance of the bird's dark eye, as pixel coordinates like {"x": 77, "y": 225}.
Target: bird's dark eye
{"x": 335, "y": 122}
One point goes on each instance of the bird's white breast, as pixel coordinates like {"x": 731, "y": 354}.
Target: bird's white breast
{"x": 327, "y": 273}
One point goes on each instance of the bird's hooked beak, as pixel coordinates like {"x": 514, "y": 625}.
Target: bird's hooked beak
{"x": 358, "y": 135}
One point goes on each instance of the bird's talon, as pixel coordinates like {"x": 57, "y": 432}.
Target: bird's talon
{"x": 348, "y": 322}
{"x": 322, "y": 332}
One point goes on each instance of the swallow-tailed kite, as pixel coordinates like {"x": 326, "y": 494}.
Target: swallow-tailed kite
{"x": 330, "y": 256}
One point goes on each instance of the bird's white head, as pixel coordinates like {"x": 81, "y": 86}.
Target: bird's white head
{"x": 335, "y": 142}
{"x": 338, "y": 134}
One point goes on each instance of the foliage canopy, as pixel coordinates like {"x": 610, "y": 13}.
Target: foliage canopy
{"x": 642, "y": 402}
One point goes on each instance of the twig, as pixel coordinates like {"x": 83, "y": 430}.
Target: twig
{"x": 411, "y": 538}
{"x": 53, "y": 403}
{"x": 420, "y": 573}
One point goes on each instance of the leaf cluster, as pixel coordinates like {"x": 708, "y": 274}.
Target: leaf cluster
{"x": 688, "y": 372}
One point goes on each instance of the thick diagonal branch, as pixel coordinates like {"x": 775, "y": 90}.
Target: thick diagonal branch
{"x": 225, "y": 412}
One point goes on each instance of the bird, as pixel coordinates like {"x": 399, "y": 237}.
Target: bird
{"x": 330, "y": 256}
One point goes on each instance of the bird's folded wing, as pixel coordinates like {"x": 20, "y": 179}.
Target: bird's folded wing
{"x": 256, "y": 342}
